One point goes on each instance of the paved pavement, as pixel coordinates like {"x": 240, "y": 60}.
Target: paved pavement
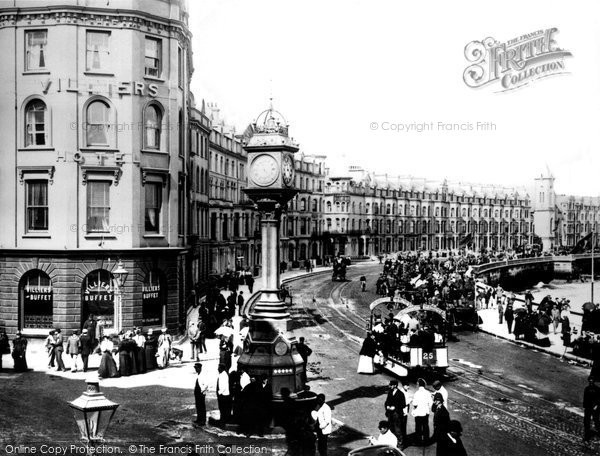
{"x": 37, "y": 358}
{"x": 492, "y": 326}
{"x": 180, "y": 375}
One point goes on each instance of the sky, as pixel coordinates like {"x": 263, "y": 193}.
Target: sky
{"x": 351, "y": 76}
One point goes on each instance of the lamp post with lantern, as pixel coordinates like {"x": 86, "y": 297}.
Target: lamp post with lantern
{"x": 93, "y": 413}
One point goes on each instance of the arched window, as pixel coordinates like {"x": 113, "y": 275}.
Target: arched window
{"x": 36, "y": 127}
{"x": 152, "y": 127}
{"x": 98, "y": 127}
{"x": 97, "y": 296}
{"x": 35, "y": 294}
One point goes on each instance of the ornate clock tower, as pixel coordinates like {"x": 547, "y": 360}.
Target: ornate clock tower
{"x": 270, "y": 350}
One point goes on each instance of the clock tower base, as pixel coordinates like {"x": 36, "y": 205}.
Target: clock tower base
{"x": 270, "y": 349}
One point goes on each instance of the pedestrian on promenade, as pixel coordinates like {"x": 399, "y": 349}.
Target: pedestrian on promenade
{"x": 386, "y": 436}
{"x": 226, "y": 352}
{"x": 566, "y": 332}
{"x": 200, "y": 389}
{"x": 451, "y": 443}
{"x": 19, "y": 353}
{"x": 140, "y": 341}
{"x": 366, "y": 355}
{"x": 201, "y": 346}
{"x": 223, "y": 394}
{"x": 108, "y": 367}
{"x": 250, "y": 282}
{"x": 58, "y": 350}
{"x": 555, "y": 316}
{"x": 439, "y": 388}
{"x": 363, "y": 283}
{"x": 193, "y": 336}
{"x": 125, "y": 361}
{"x": 500, "y": 312}
{"x": 407, "y": 401}
{"x": 73, "y": 349}
{"x": 591, "y": 408}
{"x": 85, "y": 348}
{"x": 322, "y": 415}
{"x": 304, "y": 351}
{"x": 422, "y": 404}
{"x": 49, "y": 344}
{"x": 240, "y": 303}
{"x": 509, "y": 316}
{"x": 150, "y": 349}
{"x": 91, "y": 324}
{"x": 164, "y": 349}
{"x": 4, "y": 345}
{"x": 529, "y": 301}
{"x": 394, "y": 410}
{"x": 441, "y": 420}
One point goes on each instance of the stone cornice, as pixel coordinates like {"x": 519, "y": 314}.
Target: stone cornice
{"x": 94, "y": 17}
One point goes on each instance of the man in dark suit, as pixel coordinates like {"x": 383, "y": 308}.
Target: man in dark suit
{"x": 90, "y": 324}
{"x": 441, "y": 418}
{"x": 394, "y": 410}
{"x": 240, "y": 302}
{"x": 85, "y": 348}
{"x": 304, "y": 351}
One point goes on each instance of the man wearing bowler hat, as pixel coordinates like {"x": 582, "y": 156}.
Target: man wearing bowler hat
{"x": 394, "y": 410}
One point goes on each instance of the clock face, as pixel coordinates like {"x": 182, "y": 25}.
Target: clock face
{"x": 287, "y": 170}
{"x": 264, "y": 170}
{"x": 281, "y": 348}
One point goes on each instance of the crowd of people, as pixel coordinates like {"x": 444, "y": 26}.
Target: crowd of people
{"x": 400, "y": 404}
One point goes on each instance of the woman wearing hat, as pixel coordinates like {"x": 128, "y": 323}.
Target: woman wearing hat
{"x": 108, "y": 367}
{"x": 18, "y": 353}
{"x": 366, "y": 355}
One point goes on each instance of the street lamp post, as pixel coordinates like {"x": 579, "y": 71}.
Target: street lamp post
{"x": 93, "y": 413}
{"x": 120, "y": 276}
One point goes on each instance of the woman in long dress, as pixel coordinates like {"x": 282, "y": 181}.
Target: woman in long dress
{"x": 164, "y": 349}
{"x": 108, "y": 367}
{"x": 19, "y": 351}
{"x": 140, "y": 341}
{"x": 150, "y": 348}
{"x": 366, "y": 355}
{"x": 125, "y": 357}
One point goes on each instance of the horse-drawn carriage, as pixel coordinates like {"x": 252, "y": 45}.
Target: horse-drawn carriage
{"x": 339, "y": 270}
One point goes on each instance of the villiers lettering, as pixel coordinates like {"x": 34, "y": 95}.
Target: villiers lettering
{"x": 109, "y": 89}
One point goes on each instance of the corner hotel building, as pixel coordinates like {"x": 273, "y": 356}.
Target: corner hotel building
{"x": 93, "y": 115}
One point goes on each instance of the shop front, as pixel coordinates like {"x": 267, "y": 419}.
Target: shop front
{"x": 98, "y": 299}
{"x": 154, "y": 299}
{"x": 36, "y": 302}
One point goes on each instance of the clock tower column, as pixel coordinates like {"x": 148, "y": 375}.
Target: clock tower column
{"x": 270, "y": 349}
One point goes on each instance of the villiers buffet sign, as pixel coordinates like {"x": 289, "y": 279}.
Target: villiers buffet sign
{"x": 516, "y": 62}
